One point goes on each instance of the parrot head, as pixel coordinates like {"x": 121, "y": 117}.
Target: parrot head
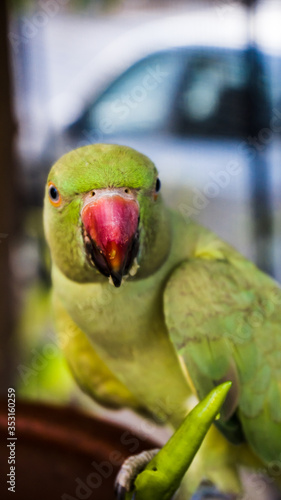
{"x": 103, "y": 215}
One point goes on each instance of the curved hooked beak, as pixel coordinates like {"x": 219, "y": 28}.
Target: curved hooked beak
{"x": 110, "y": 230}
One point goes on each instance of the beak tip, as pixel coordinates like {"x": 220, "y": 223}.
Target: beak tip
{"x": 117, "y": 279}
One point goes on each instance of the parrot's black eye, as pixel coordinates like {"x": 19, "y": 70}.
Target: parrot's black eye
{"x": 157, "y": 185}
{"x": 54, "y": 195}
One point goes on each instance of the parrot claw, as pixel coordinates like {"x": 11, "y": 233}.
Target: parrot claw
{"x": 130, "y": 469}
{"x": 120, "y": 492}
{"x": 208, "y": 491}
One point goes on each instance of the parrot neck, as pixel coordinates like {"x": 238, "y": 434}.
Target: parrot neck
{"x": 156, "y": 246}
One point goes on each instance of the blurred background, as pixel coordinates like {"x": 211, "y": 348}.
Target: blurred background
{"x": 195, "y": 86}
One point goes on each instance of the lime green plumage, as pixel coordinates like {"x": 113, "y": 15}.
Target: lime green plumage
{"x": 235, "y": 312}
{"x": 196, "y": 313}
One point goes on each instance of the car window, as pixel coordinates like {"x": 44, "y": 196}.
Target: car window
{"x": 141, "y": 98}
{"x": 215, "y": 94}
{"x": 273, "y": 66}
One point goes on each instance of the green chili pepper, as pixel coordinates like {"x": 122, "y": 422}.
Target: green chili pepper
{"x": 163, "y": 474}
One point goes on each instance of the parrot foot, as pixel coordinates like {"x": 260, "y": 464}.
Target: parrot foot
{"x": 130, "y": 469}
{"x": 208, "y": 491}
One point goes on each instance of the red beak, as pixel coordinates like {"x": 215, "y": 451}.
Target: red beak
{"x": 111, "y": 239}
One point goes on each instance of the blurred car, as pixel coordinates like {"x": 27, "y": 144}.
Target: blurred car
{"x": 195, "y": 93}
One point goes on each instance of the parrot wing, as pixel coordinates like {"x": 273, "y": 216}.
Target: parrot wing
{"x": 224, "y": 319}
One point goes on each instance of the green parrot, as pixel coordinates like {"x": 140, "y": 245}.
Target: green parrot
{"x": 152, "y": 308}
